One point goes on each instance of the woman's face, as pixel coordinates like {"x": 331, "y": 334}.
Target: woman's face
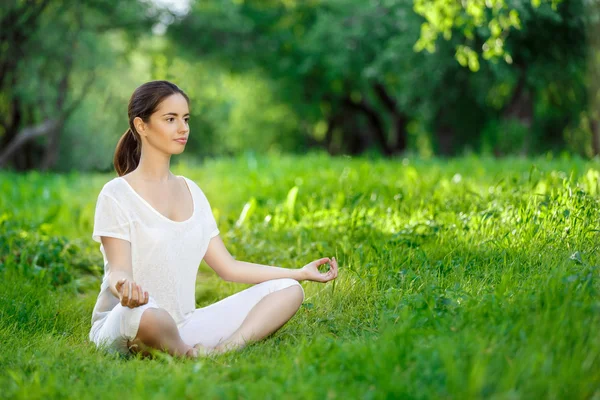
{"x": 167, "y": 124}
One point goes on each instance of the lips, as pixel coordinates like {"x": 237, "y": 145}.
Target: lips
{"x": 181, "y": 140}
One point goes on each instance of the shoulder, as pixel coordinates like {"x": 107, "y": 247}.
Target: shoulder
{"x": 114, "y": 192}
{"x": 111, "y": 188}
{"x": 191, "y": 183}
{"x": 195, "y": 187}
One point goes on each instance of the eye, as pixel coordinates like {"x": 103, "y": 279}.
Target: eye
{"x": 171, "y": 119}
{"x": 187, "y": 120}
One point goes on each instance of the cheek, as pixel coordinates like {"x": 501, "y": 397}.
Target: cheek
{"x": 162, "y": 129}
{"x": 167, "y": 128}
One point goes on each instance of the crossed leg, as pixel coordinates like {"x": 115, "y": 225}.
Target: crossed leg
{"x": 158, "y": 330}
{"x": 266, "y": 317}
{"x": 230, "y": 324}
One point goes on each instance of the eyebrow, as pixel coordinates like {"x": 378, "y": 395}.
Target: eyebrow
{"x": 175, "y": 114}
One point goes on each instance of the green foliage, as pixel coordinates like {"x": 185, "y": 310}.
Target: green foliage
{"x": 37, "y": 254}
{"x": 36, "y": 217}
{"x": 348, "y": 76}
{"x": 350, "y": 72}
{"x": 51, "y": 55}
{"x": 461, "y": 278}
{"x": 496, "y": 18}
{"x": 504, "y": 137}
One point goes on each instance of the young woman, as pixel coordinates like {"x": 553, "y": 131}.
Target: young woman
{"x": 155, "y": 228}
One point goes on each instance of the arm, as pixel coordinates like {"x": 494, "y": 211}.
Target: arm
{"x": 118, "y": 253}
{"x": 228, "y": 268}
{"x": 222, "y": 262}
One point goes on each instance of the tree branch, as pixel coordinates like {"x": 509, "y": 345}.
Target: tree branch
{"x": 399, "y": 119}
{"x": 374, "y": 121}
{"x": 25, "y": 136}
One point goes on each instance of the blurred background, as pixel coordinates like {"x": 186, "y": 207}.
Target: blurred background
{"x": 382, "y": 78}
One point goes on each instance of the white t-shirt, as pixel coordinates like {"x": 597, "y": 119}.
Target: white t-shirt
{"x": 165, "y": 254}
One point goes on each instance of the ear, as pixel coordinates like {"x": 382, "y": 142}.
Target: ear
{"x": 139, "y": 124}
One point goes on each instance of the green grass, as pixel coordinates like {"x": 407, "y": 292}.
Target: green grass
{"x": 468, "y": 278}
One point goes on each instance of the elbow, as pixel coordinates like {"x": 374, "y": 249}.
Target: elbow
{"x": 226, "y": 277}
{"x": 228, "y": 273}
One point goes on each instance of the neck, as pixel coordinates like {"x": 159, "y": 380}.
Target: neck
{"x": 154, "y": 166}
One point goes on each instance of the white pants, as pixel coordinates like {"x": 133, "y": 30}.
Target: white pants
{"x": 208, "y": 325}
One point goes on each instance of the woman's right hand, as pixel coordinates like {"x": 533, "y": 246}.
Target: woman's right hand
{"x": 131, "y": 294}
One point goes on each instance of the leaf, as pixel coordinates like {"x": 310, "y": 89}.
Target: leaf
{"x": 290, "y": 202}
{"x": 577, "y": 257}
{"x": 247, "y": 211}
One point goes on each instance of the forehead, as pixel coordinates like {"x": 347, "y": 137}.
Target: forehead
{"x": 175, "y": 103}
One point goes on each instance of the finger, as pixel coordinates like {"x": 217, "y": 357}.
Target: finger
{"x": 125, "y": 295}
{"x": 142, "y": 300}
{"x": 134, "y": 295}
{"x": 119, "y": 284}
{"x": 322, "y": 261}
{"x": 334, "y": 264}
{"x": 146, "y": 298}
{"x": 130, "y": 288}
{"x": 332, "y": 273}
{"x": 331, "y": 270}
{"x": 140, "y": 295}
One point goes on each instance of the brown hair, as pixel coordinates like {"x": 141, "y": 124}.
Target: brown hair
{"x": 143, "y": 103}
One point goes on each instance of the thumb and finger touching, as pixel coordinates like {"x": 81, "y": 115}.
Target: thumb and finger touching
{"x": 132, "y": 294}
{"x": 329, "y": 275}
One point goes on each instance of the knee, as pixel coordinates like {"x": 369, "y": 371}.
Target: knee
{"x": 290, "y": 285}
{"x": 294, "y": 287}
{"x": 153, "y": 325}
{"x": 299, "y": 291}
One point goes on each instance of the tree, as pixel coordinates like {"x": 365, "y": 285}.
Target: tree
{"x": 351, "y": 70}
{"x": 327, "y": 59}
{"x": 490, "y": 20}
{"x": 51, "y": 52}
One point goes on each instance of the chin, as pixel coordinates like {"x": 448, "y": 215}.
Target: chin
{"x": 178, "y": 150}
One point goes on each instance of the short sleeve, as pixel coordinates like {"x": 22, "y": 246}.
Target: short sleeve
{"x": 210, "y": 220}
{"x": 110, "y": 220}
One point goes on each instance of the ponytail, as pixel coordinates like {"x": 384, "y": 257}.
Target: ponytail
{"x": 127, "y": 153}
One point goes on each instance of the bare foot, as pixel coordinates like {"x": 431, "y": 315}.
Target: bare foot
{"x": 227, "y": 347}
{"x": 191, "y": 353}
{"x": 197, "y": 351}
{"x": 202, "y": 351}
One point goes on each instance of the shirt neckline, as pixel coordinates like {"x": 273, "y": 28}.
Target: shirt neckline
{"x": 154, "y": 210}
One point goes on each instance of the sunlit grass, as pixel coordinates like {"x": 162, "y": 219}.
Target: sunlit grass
{"x": 459, "y": 279}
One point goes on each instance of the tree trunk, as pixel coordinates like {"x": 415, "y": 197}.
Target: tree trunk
{"x": 332, "y": 123}
{"x": 52, "y": 149}
{"x": 520, "y": 107}
{"x": 399, "y": 120}
{"x": 445, "y": 139}
{"x": 53, "y": 146}
{"x": 374, "y": 121}
{"x": 595, "y": 136}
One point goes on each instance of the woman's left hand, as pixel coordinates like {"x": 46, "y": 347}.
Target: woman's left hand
{"x": 311, "y": 272}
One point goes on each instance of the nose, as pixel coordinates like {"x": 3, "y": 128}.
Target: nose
{"x": 183, "y": 127}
